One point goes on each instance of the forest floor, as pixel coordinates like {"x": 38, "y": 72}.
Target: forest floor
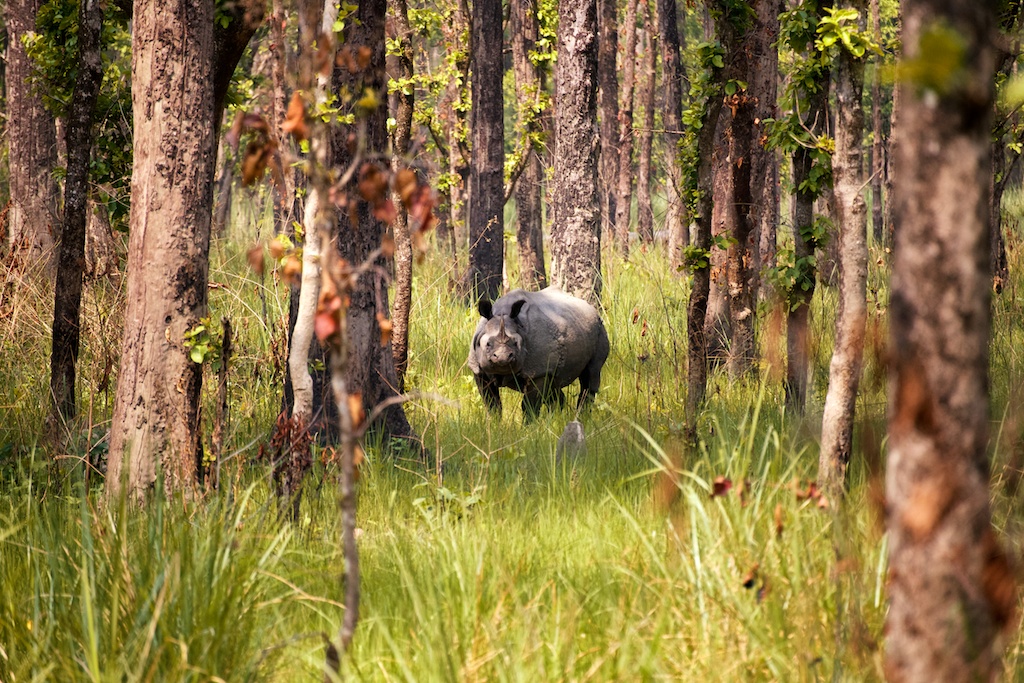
{"x": 641, "y": 559}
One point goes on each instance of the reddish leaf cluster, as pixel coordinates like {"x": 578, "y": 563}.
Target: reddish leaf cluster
{"x": 332, "y": 304}
{"x": 261, "y": 151}
{"x": 810, "y": 493}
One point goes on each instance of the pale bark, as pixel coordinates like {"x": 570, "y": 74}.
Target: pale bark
{"x": 302, "y": 333}
{"x": 848, "y": 352}
{"x": 32, "y": 148}
{"x": 624, "y": 184}
{"x": 155, "y": 428}
{"x": 400, "y": 227}
{"x": 576, "y": 219}
{"x": 950, "y": 586}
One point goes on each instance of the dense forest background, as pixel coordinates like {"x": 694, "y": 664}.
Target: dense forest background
{"x": 244, "y": 247}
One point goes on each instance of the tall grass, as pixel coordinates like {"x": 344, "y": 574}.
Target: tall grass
{"x": 498, "y": 561}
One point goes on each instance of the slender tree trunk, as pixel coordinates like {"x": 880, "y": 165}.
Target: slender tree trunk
{"x": 645, "y": 212}
{"x": 400, "y": 147}
{"x": 371, "y": 363}
{"x": 764, "y": 171}
{"x": 950, "y": 586}
{"x": 696, "y": 311}
{"x": 576, "y": 220}
{"x": 624, "y": 184}
{"x": 608, "y": 103}
{"x": 877, "y": 143}
{"x": 452, "y": 233}
{"x": 155, "y": 430}
{"x": 888, "y": 220}
{"x": 848, "y": 354}
{"x": 675, "y": 88}
{"x": 487, "y": 163}
{"x": 32, "y": 147}
{"x": 71, "y": 268}
{"x": 529, "y": 209}
{"x": 802, "y": 212}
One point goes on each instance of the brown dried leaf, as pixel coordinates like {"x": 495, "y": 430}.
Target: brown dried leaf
{"x": 636, "y": 315}
{"x": 356, "y": 409}
{"x": 750, "y": 578}
{"x": 421, "y": 208}
{"x": 277, "y": 248}
{"x": 720, "y": 486}
{"x": 385, "y": 211}
{"x": 373, "y": 184}
{"x": 295, "y": 118}
{"x": 363, "y": 55}
{"x": 778, "y": 520}
{"x": 927, "y": 504}
{"x": 324, "y": 59}
{"x": 406, "y": 185}
{"x": 255, "y": 258}
{"x": 386, "y": 328}
{"x": 255, "y": 162}
{"x": 292, "y": 269}
{"x": 234, "y": 136}
{"x": 387, "y": 246}
{"x": 998, "y": 582}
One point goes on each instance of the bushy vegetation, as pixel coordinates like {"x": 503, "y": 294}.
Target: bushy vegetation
{"x": 643, "y": 559}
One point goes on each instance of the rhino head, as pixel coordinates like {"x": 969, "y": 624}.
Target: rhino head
{"x": 499, "y": 345}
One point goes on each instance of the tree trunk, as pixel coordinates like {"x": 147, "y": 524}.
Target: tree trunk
{"x": 608, "y": 80}
{"x": 71, "y": 268}
{"x": 734, "y": 193}
{"x": 32, "y": 148}
{"x": 645, "y": 212}
{"x": 624, "y": 184}
{"x": 155, "y": 430}
{"x": 576, "y": 219}
{"x": 764, "y": 170}
{"x": 848, "y": 353}
{"x": 950, "y": 586}
{"x": 451, "y": 234}
{"x": 802, "y": 212}
{"x": 888, "y": 221}
{"x": 400, "y": 228}
{"x": 675, "y": 87}
{"x": 487, "y": 163}
{"x": 529, "y": 210}
{"x": 697, "y": 308}
{"x": 371, "y": 364}
{"x": 877, "y": 144}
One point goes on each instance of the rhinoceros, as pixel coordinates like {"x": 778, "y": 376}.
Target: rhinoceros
{"x": 538, "y": 343}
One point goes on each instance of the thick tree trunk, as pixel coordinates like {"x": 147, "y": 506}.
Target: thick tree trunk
{"x": 529, "y": 209}
{"x": 32, "y": 147}
{"x": 624, "y": 183}
{"x": 155, "y": 430}
{"x": 71, "y": 267}
{"x": 576, "y": 219}
{"x": 950, "y": 586}
{"x": 608, "y": 103}
{"x": 487, "y": 163}
{"x": 400, "y": 228}
{"x": 675, "y": 88}
{"x": 645, "y": 212}
{"x": 848, "y": 353}
{"x": 371, "y": 363}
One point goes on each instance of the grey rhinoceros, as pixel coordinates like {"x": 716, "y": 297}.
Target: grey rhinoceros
{"x": 538, "y": 343}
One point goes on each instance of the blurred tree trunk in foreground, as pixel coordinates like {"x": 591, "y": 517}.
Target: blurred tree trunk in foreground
{"x": 951, "y": 589}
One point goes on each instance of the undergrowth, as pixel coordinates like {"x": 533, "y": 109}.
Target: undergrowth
{"x": 642, "y": 559}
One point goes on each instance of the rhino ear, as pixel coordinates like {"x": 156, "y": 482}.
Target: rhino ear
{"x": 484, "y": 306}
{"x": 516, "y": 308}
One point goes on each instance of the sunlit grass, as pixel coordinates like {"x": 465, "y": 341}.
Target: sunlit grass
{"x": 496, "y": 561}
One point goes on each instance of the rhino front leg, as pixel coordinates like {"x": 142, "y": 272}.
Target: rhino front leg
{"x": 488, "y": 388}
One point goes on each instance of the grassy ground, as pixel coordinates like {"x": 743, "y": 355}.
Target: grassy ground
{"x": 500, "y": 563}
